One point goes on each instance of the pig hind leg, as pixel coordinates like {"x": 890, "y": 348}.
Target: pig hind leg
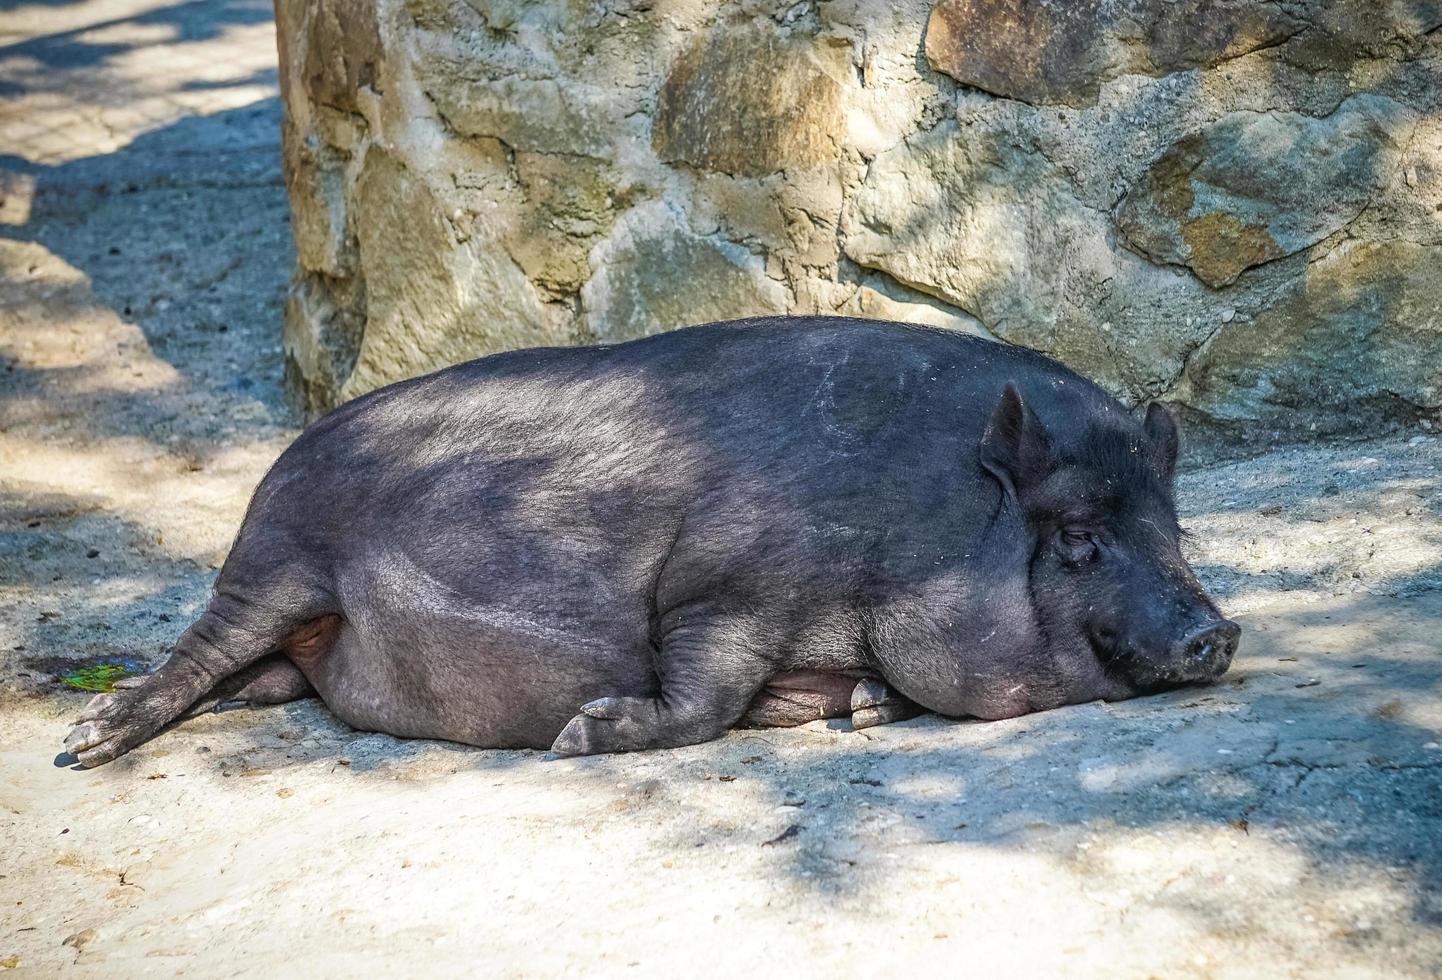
{"x": 277, "y": 681}
{"x": 244, "y": 622}
{"x": 270, "y": 680}
{"x": 708, "y": 676}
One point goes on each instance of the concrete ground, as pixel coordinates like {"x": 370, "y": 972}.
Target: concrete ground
{"x": 1287, "y": 821}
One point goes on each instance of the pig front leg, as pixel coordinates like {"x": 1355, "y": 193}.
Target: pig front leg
{"x": 798, "y": 697}
{"x": 803, "y": 696}
{"x": 709, "y": 674}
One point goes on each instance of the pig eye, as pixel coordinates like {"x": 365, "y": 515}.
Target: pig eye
{"x": 1079, "y": 546}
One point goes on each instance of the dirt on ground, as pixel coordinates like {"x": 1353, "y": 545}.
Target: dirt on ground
{"x": 1286, "y": 821}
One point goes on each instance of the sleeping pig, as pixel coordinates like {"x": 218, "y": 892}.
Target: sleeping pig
{"x": 639, "y": 545}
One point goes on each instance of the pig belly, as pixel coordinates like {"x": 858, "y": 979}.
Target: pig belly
{"x": 481, "y": 687}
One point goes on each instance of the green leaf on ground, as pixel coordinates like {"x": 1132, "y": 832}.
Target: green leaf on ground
{"x": 98, "y": 677}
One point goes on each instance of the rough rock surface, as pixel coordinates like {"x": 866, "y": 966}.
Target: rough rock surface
{"x": 655, "y": 272}
{"x": 754, "y": 101}
{"x": 1349, "y": 332}
{"x": 1147, "y": 189}
{"x": 1063, "y": 50}
{"x": 1254, "y": 187}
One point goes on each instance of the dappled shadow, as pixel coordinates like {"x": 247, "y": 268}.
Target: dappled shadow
{"x": 144, "y": 151}
{"x": 183, "y": 233}
{"x": 1298, "y": 746}
{"x": 1318, "y": 522}
{"x": 267, "y": 77}
{"x": 38, "y": 64}
{"x": 1322, "y": 742}
{"x": 74, "y": 593}
{"x": 1216, "y": 760}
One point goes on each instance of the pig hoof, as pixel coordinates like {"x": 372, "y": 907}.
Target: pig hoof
{"x": 607, "y": 708}
{"x": 871, "y": 717}
{"x": 93, "y": 744}
{"x": 81, "y": 736}
{"x": 96, "y": 707}
{"x": 874, "y": 703}
{"x": 589, "y": 732}
{"x": 579, "y": 737}
{"x": 868, "y": 693}
{"x": 110, "y": 726}
{"x": 605, "y": 725}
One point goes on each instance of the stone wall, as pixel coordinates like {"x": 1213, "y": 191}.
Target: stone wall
{"x": 1235, "y": 206}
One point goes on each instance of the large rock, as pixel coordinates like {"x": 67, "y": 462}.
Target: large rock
{"x": 991, "y": 226}
{"x": 1061, "y": 51}
{"x": 752, "y": 101}
{"x": 315, "y": 178}
{"x": 1257, "y": 186}
{"x": 542, "y": 115}
{"x": 572, "y": 204}
{"x": 970, "y": 217}
{"x": 1343, "y": 34}
{"x": 342, "y": 52}
{"x": 430, "y": 300}
{"x": 1227, "y": 204}
{"x": 654, "y": 274}
{"x": 1353, "y": 341}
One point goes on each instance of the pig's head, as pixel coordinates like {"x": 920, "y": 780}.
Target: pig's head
{"x": 1106, "y": 562}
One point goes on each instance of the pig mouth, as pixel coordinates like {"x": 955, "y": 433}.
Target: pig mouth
{"x": 1140, "y": 678}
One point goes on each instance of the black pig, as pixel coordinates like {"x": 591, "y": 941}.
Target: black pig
{"x": 619, "y": 547}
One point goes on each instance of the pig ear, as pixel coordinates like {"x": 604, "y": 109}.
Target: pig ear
{"x": 1162, "y": 431}
{"x": 1014, "y": 446}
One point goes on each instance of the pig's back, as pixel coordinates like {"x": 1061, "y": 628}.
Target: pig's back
{"x": 583, "y": 462}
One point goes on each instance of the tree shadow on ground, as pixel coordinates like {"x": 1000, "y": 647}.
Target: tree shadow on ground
{"x": 1321, "y": 766}
{"x": 1322, "y": 740}
{"x": 87, "y": 46}
{"x": 183, "y": 233}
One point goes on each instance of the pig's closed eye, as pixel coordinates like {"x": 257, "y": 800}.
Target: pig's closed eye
{"x": 1077, "y": 545}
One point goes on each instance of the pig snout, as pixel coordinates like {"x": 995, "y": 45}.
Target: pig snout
{"x": 1162, "y": 655}
{"x": 1204, "y": 653}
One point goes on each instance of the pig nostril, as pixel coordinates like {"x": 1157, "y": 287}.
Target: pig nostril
{"x": 1230, "y": 634}
{"x": 1210, "y": 647}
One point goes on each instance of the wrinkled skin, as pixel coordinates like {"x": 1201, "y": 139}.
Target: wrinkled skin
{"x": 640, "y": 545}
